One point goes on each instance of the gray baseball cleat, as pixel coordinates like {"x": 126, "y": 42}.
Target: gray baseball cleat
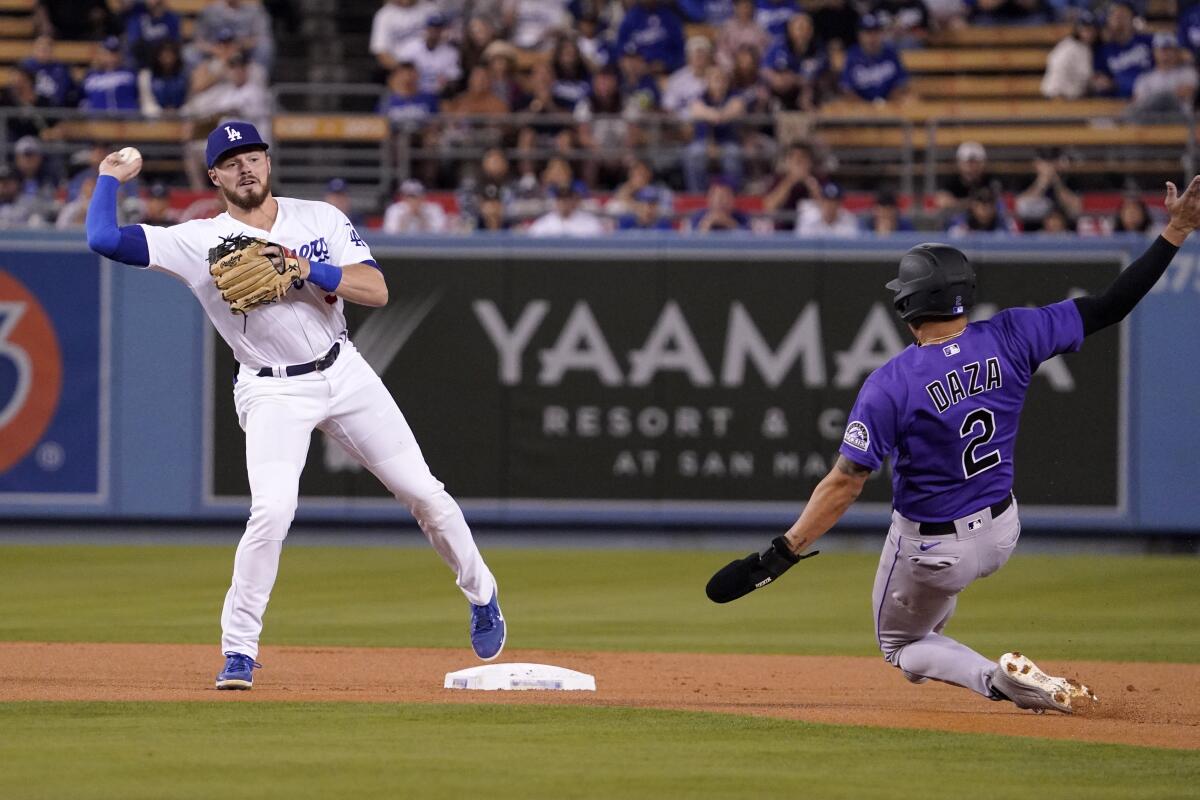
{"x": 1021, "y": 681}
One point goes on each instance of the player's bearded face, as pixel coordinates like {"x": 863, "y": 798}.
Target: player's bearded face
{"x": 245, "y": 179}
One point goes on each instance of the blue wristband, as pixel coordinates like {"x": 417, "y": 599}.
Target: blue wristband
{"x": 327, "y": 276}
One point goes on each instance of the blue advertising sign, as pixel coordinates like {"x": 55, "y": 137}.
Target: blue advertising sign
{"x": 53, "y": 378}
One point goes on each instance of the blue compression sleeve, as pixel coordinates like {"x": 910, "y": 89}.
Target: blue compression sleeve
{"x": 126, "y": 244}
{"x": 327, "y": 276}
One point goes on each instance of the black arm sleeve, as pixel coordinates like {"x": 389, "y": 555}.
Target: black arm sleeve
{"x": 1130, "y": 286}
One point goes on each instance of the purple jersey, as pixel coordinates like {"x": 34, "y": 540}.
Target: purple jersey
{"x": 947, "y": 414}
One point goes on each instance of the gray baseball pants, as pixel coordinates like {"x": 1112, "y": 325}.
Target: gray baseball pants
{"x": 916, "y": 590}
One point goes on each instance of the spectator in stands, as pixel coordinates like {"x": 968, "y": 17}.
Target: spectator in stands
{"x": 747, "y": 82}
{"x": 236, "y": 88}
{"x": 394, "y": 24}
{"x": 109, "y": 86}
{"x": 149, "y": 25}
{"x": 437, "y": 60}
{"x": 796, "y": 68}
{"x": 837, "y": 24}
{"x": 73, "y": 213}
{"x": 1069, "y": 65}
{"x": 610, "y": 136}
{"x": 639, "y": 90}
{"x": 409, "y": 111}
{"x": 639, "y": 176}
{"x": 338, "y": 196}
{"x": 594, "y": 47}
{"x": 1048, "y": 190}
{"x": 873, "y": 70}
{"x": 742, "y": 29}
{"x": 773, "y": 15}
{"x": 552, "y": 132}
{"x": 906, "y": 22}
{"x": 654, "y": 29}
{"x": 885, "y": 218}
{"x": 1169, "y": 88}
{"x": 720, "y": 213}
{"x": 73, "y": 20}
{"x": 501, "y": 60}
{"x": 647, "y": 213}
{"x": 971, "y": 173}
{"x": 495, "y": 171}
{"x": 479, "y": 33}
{"x": 157, "y": 208}
{"x": 412, "y": 213}
{"x": 689, "y": 81}
{"x": 52, "y": 82}
{"x": 1123, "y": 55}
{"x": 23, "y": 108}
{"x": 826, "y": 216}
{"x": 567, "y": 218}
{"x": 163, "y": 86}
{"x": 794, "y": 182}
{"x": 38, "y": 179}
{"x": 214, "y": 69}
{"x": 1056, "y": 221}
{"x": 1189, "y": 30}
{"x": 1010, "y": 12}
{"x": 83, "y": 163}
{"x": 715, "y": 132}
{"x": 534, "y": 23}
{"x": 984, "y": 214}
{"x": 405, "y": 105}
{"x": 572, "y": 79}
{"x": 1132, "y": 215}
{"x": 491, "y": 215}
{"x": 16, "y": 209}
{"x": 479, "y": 97}
{"x": 249, "y": 21}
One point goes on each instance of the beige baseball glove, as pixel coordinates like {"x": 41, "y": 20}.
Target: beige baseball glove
{"x": 248, "y": 277}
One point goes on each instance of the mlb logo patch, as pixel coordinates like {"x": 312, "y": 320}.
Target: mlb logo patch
{"x": 975, "y": 523}
{"x": 950, "y": 350}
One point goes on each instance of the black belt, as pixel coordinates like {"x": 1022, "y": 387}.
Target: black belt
{"x": 942, "y": 528}
{"x": 318, "y": 365}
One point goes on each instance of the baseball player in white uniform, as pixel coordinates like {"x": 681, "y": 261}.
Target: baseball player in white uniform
{"x": 297, "y": 371}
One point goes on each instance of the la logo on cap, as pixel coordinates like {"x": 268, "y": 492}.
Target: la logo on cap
{"x": 232, "y": 133}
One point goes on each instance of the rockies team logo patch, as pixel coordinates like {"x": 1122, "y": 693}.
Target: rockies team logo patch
{"x": 857, "y": 436}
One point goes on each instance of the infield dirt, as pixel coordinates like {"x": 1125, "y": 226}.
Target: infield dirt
{"x": 1150, "y": 704}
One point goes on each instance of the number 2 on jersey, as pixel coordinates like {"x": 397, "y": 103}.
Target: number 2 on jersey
{"x": 983, "y": 421}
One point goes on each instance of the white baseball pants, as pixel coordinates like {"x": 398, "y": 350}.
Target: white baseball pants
{"x": 350, "y": 404}
{"x": 916, "y": 590}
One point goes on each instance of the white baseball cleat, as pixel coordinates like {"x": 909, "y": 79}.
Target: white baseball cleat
{"x": 1021, "y": 681}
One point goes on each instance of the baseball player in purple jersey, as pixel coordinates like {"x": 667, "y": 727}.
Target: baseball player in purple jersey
{"x": 946, "y": 411}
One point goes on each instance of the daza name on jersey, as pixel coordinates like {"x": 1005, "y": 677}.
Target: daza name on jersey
{"x": 976, "y": 379}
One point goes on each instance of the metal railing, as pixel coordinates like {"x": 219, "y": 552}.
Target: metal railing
{"x": 444, "y": 143}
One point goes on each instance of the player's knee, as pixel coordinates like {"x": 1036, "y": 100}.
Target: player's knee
{"x": 891, "y": 649}
{"x": 270, "y": 517}
{"x": 435, "y": 510}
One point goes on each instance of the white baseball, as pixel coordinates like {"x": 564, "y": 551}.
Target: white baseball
{"x": 127, "y": 154}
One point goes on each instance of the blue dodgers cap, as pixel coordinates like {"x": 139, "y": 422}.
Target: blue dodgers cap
{"x": 869, "y": 22}
{"x": 232, "y": 135}
{"x": 831, "y": 191}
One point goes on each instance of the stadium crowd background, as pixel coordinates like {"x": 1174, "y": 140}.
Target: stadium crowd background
{"x": 570, "y": 117}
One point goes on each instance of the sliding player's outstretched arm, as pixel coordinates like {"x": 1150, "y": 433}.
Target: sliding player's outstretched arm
{"x": 1115, "y": 303}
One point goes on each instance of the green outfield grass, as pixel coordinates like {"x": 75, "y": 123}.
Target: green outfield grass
{"x": 1103, "y": 607}
{"x": 159, "y": 750}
